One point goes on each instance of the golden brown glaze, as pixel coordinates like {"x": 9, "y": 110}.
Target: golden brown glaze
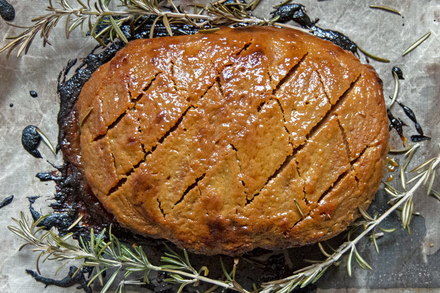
{"x": 212, "y": 141}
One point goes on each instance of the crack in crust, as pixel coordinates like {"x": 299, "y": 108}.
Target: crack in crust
{"x": 124, "y": 178}
{"x": 160, "y": 208}
{"x": 273, "y": 176}
{"x": 344, "y": 138}
{"x": 331, "y": 188}
{"x": 240, "y": 175}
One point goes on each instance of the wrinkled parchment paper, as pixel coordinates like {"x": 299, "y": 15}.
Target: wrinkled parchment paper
{"x": 405, "y": 261}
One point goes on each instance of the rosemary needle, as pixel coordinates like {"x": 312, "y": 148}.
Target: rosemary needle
{"x": 386, "y": 8}
{"x": 396, "y": 89}
{"x": 416, "y": 44}
{"x": 374, "y": 57}
{"x": 46, "y": 141}
{"x": 299, "y": 208}
{"x": 209, "y": 30}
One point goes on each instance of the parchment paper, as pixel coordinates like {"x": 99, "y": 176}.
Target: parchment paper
{"x": 405, "y": 262}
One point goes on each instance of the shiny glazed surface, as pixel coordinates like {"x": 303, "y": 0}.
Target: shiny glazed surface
{"x": 244, "y": 138}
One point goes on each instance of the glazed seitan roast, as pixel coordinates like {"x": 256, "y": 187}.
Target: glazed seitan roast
{"x": 224, "y": 142}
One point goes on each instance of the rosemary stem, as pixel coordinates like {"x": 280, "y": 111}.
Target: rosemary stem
{"x": 291, "y": 26}
{"x": 201, "y": 278}
{"x": 390, "y": 210}
{"x": 380, "y": 219}
{"x": 168, "y": 14}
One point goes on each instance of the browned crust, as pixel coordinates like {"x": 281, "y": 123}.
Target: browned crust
{"x": 208, "y": 140}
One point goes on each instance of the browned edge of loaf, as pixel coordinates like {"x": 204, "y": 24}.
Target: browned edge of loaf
{"x": 356, "y": 110}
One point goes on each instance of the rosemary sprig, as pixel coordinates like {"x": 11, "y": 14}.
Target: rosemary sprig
{"x": 425, "y": 171}
{"x": 104, "y": 255}
{"x": 104, "y": 23}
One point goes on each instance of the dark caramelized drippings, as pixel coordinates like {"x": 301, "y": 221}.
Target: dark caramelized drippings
{"x": 297, "y": 13}
{"x": 7, "y": 11}
{"x": 30, "y": 140}
{"x": 6, "y": 201}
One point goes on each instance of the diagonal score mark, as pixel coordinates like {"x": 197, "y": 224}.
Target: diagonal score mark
{"x": 302, "y": 181}
{"x": 172, "y": 76}
{"x": 147, "y": 87}
{"x": 189, "y": 188}
{"x": 244, "y": 49}
{"x": 284, "y": 116}
{"x": 124, "y": 179}
{"x": 289, "y": 75}
{"x": 331, "y": 111}
{"x": 174, "y": 128}
{"x": 334, "y": 185}
{"x": 323, "y": 87}
{"x": 217, "y": 80}
{"x": 111, "y": 126}
{"x": 161, "y": 140}
{"x": 135, "y": 100}
{"x": 274, "y": 175}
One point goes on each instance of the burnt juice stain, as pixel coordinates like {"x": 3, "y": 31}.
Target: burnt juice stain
{"x": 7, "y": 11}
{"x": 418, "y": 138}
{"x": 336, "y": 38}
{"x": 397, "y": 124}
{"x": 297, "y": 13}
{"x": 418, "y": 128}
{"x": 48, "y": 176}
{"x": 30, "y": 140}
{"x": 74, "y": 277}
{"x": 408, "y": 112}
{"x": 398, "y": 71}
{"x": 6, "y": 201}
{"x": 33, "y": 94}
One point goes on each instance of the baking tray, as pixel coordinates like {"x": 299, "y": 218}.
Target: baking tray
{"x": 405, "y": 263}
